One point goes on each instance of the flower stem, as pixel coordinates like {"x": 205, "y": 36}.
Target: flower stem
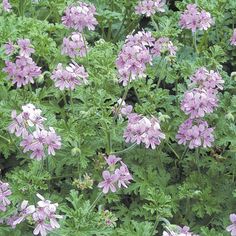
{"x": 184, "y": 153}
{"x": 195, "y": 41}
{"x": 124, "y": 96}
{"x": 173, "y": 150}
{"x": 154, "y": 23}
{"x": 95, "y": 201}
{"x": 86, "y": 50}
{"x": 125, "y": 150}
{"x": 71, "y": 102}
{"x": 155, "y": 226}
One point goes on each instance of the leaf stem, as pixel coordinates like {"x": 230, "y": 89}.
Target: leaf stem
{"x": 2, "y": 137}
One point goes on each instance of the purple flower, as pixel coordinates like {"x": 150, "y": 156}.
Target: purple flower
{"x": 4, "y": 193}
{"x": 123, "y": 175}
{"x": 111, "y": 160}
{"x": 74, "y": 45}
{"x": 109, "y": 182}
{"x": 23, "y": 71}
{"x": 6, "y": 6}
{"x": 198, "y": 102}
{"x": 149, "y": 7}
{"x": 45, "y": 216}
{"x": 175, "y": 230}
{"x": 163, "y": 45}
{"x": 25, "y": 47}
{"x": 195, "y": 133}
{"x": 232, "y": 228}
{"x": 25, "y": 210}
{"x": 9, "y": 48}
{"x": 80, "y": 16}
{"x": 192, "y": 19}
{"x": 134, "y": 56}
{"x": 143, "y": 130}
{"x": 69, "y": 77}
{"x": 124, "y": 110}
{"x": 207, "y": 80}
{"x": 36, "y": 141}
{"x": 233, "y": 38}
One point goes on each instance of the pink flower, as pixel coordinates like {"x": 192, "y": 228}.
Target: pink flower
{"x": 163, "y": 45}
{"x": 108, "y": 183}
{"x": 69, "y": 77}
{"x": 209, "y": 80}
{"x": 123, "y": 175}
{"x": 36, "y": 141}
{"x": 134, "y": 56}
{"x": 233, "y": 38}
{"x": 25, "y": 210}
{"x": 80, "y": 16}
{"x": 74, "y": 45}
{"x": 23, "y": 71}
{"x": 6, "y": 6}
{"x": 149, "y": 7}
{"x": 4, "y": 193}
{"x": 53, "y": 141}
{"x": 25, "y": 47}
{"x": 193, "y": 19}
{"x": 195, "y": 133}
{"x": 143, "y": 130}
{"x": 232, "y": 228}
{"x": 45, "y": 216}
{"x": 9, "y": 48}
{"x": 112, "y": 160}
{"x": 198, "y": 102}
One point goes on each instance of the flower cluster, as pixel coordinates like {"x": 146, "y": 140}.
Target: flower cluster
{"x": 80, "y": 16}
{"x": 233, "y": 38}
{"x": 115, "y": 177}
{"x": 195, "y": 133}
{"x": 163, "y": 45}
{"x": 35, "y": 138}
{"x": 141, "y": 129}
{"x": 43, "y": 215}
{"x": 6, "y": 6}
{"x": 210, "y": 80}
{"x": 232, "y": 228}
{"x": 149, "y": 7}
{"x": 74, "y": 45}
{"x": 196, "y": 103}
{"x": 132, "y": 60}
{"x": 194, "y": 19}
{"x": 4, "y": 193}
{"x": 137, "y": 52}
{"x": 24, "y": 70}
{"x": 69, "y": 77}
{"x": 175, "y": 230}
